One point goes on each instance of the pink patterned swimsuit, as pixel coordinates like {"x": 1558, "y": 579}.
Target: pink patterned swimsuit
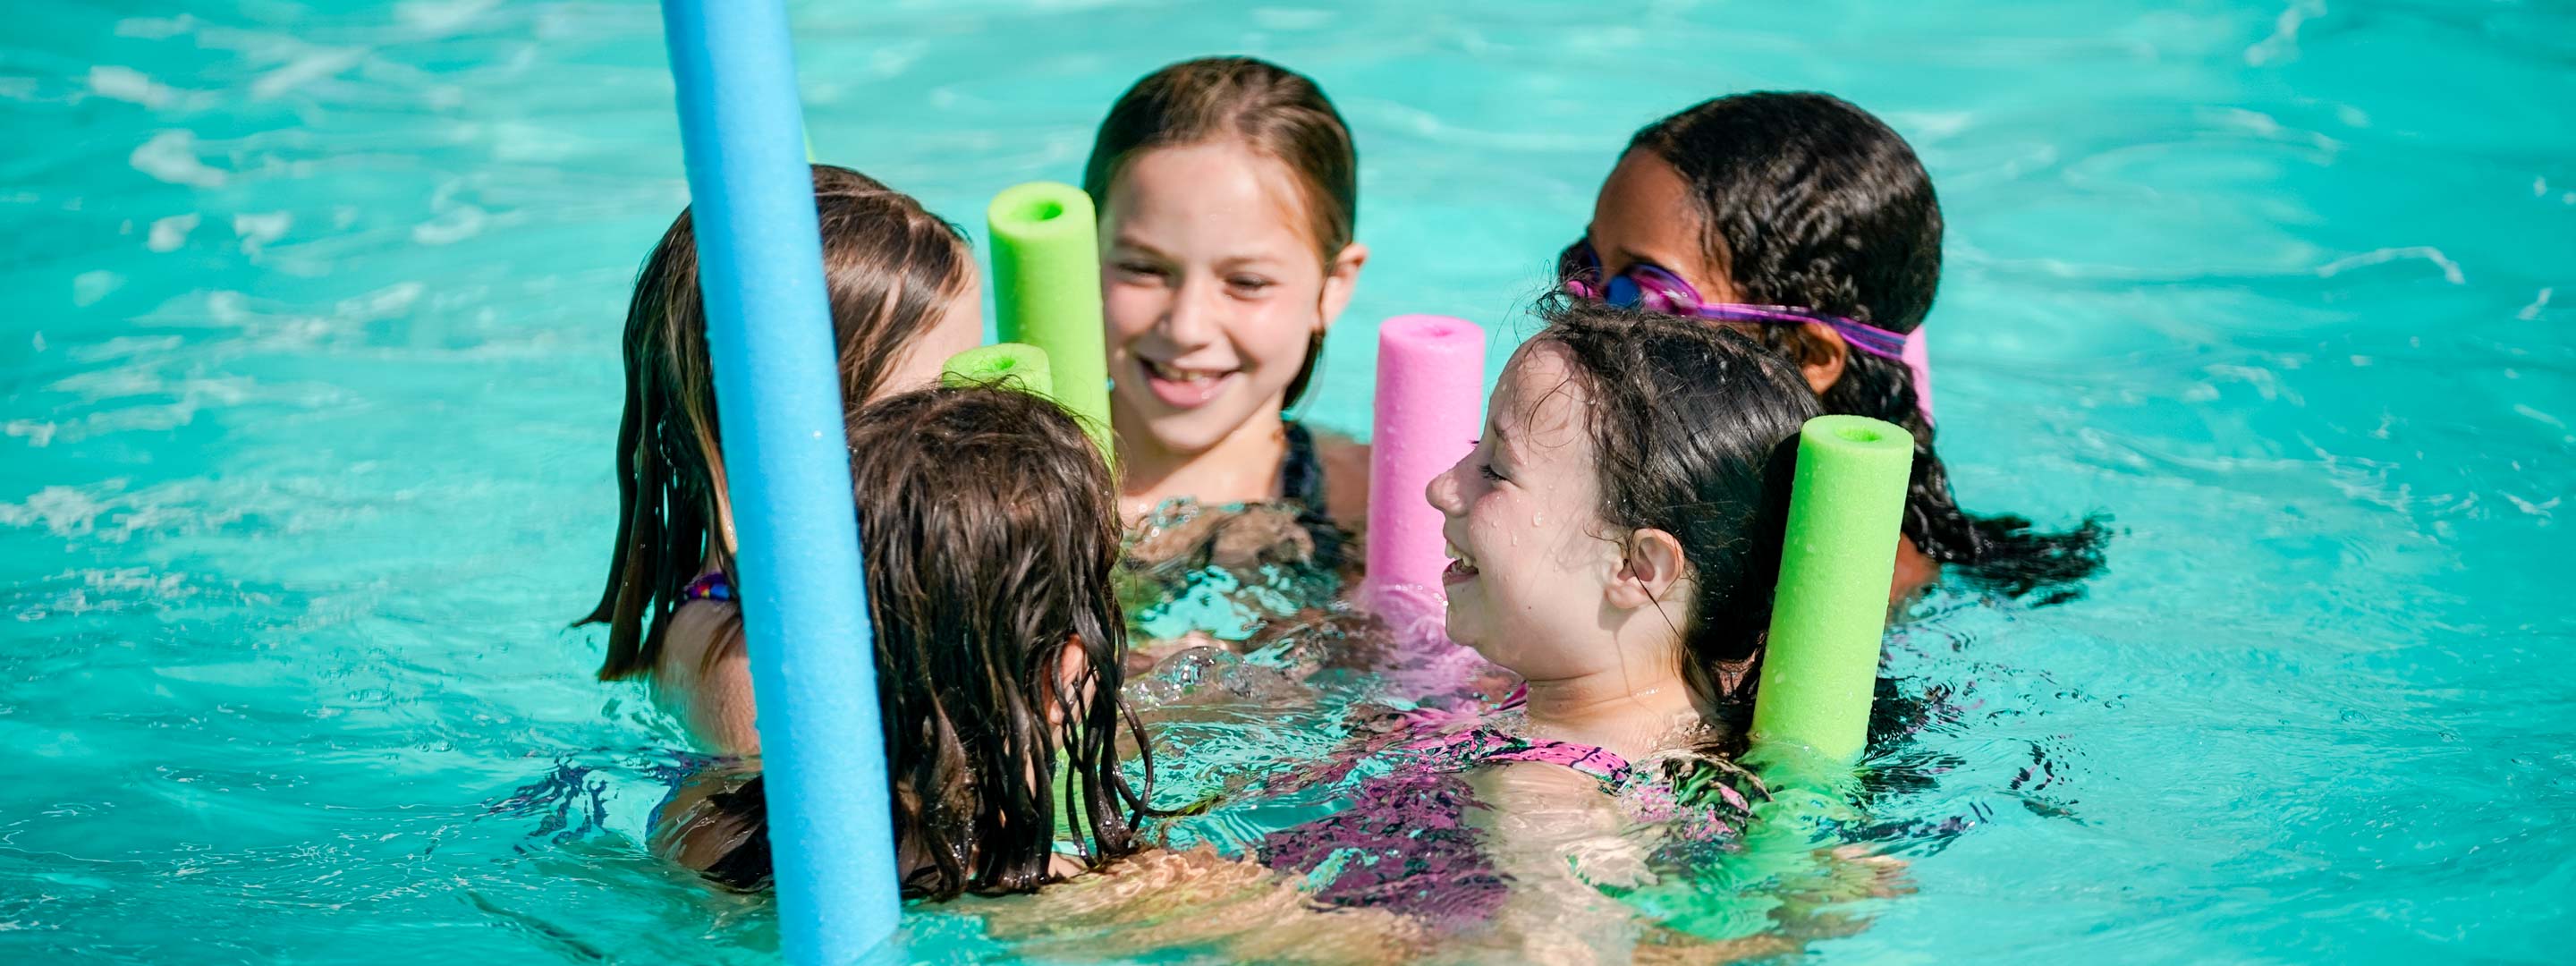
{"x": 1405, "y": 843}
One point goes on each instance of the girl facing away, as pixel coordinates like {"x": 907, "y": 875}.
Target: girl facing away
{"x": 1811, "y": 225}
{"x": 990, "y": 534}
{"x": 1228, "y": 190}
{"x": 988, "y": 537}
{"x": 903, "y": 293}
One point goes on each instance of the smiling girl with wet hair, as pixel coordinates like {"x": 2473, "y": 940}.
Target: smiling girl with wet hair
{"x": 1228, "y": 191}
{"x": 1614, "y": 540}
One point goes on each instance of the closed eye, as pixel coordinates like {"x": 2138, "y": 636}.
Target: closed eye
{"x": 1485, "y": 469}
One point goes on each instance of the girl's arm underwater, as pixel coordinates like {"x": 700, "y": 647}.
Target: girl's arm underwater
{"x": 1160, "y": 900}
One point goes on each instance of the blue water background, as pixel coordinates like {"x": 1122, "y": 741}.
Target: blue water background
{"x": 309, "y": 382}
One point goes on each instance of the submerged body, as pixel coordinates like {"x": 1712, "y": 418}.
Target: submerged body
{"x": 1421, "y": 837}
{"x": 1241, "y": 573}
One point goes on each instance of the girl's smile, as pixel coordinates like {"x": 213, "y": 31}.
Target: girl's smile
{"x": 1184, "y": 387}
{"x": 1460, "y": 569}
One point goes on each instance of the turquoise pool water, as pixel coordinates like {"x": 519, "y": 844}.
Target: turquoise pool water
{"x": 309, "y": 382}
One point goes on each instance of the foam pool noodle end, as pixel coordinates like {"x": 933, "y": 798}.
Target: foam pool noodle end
{"x": 1021, "y": 367}
{"x": 1429, "y": 411}
{"x": 1046, "y": 292}
{"x": 1829, "y": 615}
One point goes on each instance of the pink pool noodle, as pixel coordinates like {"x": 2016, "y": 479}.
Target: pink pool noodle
{"x": 1430, "y": 409}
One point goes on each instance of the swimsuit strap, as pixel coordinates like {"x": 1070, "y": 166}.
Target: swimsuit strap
{"x": 711, "y": 585}
{"x": 1301, "y": 484}
{"x": 1301, "y": 475}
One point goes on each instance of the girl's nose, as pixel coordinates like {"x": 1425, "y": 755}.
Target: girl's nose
{"x": 1196, "y": 318}
{"x": 1443, "y": 491}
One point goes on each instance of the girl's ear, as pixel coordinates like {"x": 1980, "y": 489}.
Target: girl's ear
{"x": 1340, "y": 278}
{"x": 1072, "y": 677}
{"x": 1651, "y": 572}
{"x": 1821, "y": 352}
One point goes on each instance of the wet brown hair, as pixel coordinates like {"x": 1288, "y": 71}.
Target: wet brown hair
{"x": 890, "y": 268}
{"x": 1276, "y": 112}
{"x": 1694, "y": 429}
{"x": 989, "y": 528}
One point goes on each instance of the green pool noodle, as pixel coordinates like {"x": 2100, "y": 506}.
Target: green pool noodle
{"x": 1022, "y": 367}
{"x": 1830, "y": 611}
{"x": 1046, "y": 290}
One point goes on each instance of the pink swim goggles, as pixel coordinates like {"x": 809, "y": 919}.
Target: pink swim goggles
{"x": 1650, "y": 287}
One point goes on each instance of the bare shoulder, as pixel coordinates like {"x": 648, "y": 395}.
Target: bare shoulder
{"x": 692, "y": 634}
{"x": 1915, "y": 570}
{"x": 710, "y": 692}
{"x": 1346, "y": 478}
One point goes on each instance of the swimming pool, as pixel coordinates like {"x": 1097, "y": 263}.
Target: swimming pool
{"x": 312, "y": 378}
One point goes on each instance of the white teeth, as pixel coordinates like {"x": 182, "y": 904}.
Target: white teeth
{"x": 1171, "y": 374}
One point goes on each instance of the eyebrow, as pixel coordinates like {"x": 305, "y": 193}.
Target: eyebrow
{"x": 1227, "y": 263}
{"x": 1249, "y": 261}
{"x": 1123, "y": 240}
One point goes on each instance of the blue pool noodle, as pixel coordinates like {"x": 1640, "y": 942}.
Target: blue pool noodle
{"x": 803, "y": 596}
